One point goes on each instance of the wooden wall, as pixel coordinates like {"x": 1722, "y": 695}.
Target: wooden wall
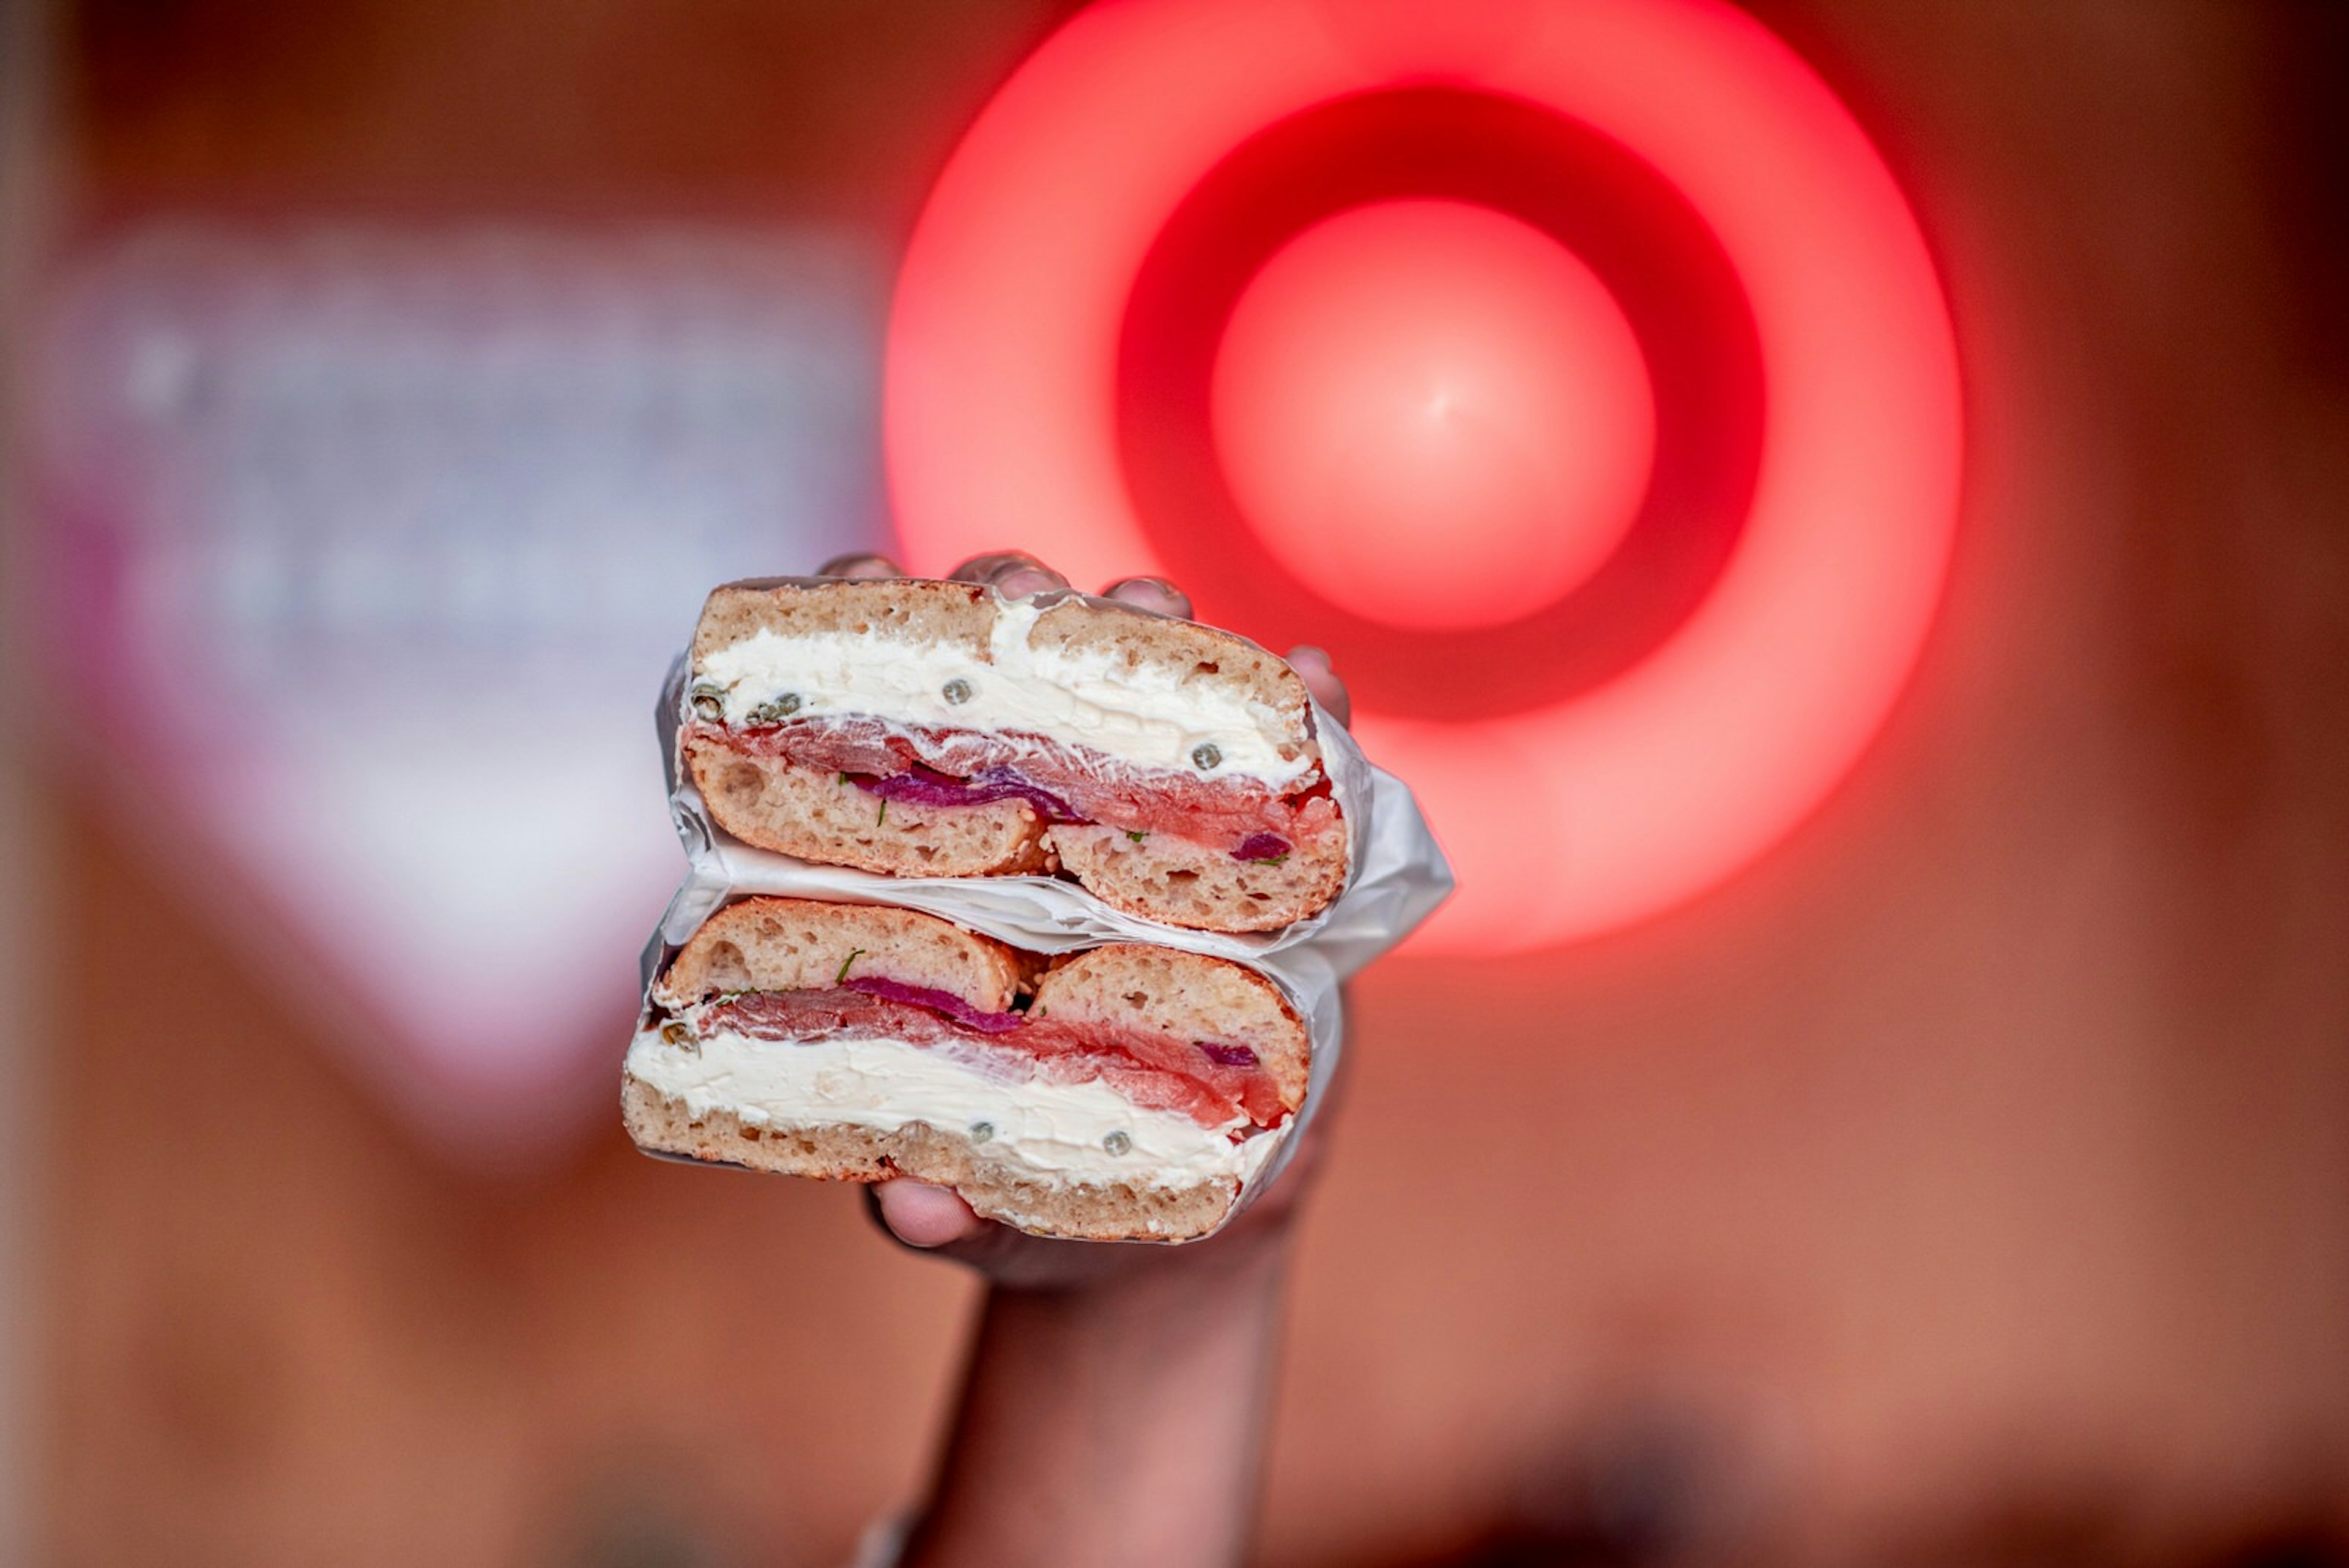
{"x": 1970, "y": 1182}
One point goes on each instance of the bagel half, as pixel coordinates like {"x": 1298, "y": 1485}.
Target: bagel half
{"x": 1124, "y": 1093}
{"x": 920, "y": 728}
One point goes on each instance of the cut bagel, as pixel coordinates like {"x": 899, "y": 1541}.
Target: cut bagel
{"x": 921, "y": 728}
{"x": 1126, "y": 1092}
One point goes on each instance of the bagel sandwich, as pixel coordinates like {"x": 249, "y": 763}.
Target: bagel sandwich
{"x": 1126, "y": 1092}
{"x": 918, "y": 728}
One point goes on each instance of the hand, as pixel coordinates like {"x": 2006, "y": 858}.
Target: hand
{"x": 936, "y": 1219}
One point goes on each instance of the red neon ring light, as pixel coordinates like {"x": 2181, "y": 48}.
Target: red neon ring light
{"x": 1581, "y": 817}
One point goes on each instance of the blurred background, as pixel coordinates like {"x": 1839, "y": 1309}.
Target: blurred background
{"x": 1965, "y": 1181}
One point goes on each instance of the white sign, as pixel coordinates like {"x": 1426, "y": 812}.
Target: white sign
{"x": 365, "y": 555}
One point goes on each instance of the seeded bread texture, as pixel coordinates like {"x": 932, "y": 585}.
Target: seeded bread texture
{"x": 916, "y": 609}
{"x": 1178, "y": 883}
{"x": 814, "y": 814}
{"x": 802, "y": 944}
{"x": 1091, "y": 1211}
{"x": 1195, "y": 654}
{"x": 910, "y": 610}
{"x": 771, "y": 804}
{"x": 1188, "y": 995}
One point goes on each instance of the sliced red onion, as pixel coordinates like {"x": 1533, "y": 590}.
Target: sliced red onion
{"x": 1228, "y": 1056}
{"x": 944, "y": 1001}
{"x": 1262, "y": 846}
{"x": 924, "y": 786}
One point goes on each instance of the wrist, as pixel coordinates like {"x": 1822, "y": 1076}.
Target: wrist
{"x": 1248, "y": 1259}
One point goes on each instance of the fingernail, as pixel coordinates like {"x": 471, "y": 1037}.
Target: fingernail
{"x": 995, "y": 565}
{"x": 1021, "y": 581}
{"x": 861, "y": 563}
{"x": 1150, "y": 593}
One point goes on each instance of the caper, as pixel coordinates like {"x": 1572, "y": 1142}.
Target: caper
{"x": 1117, "y": 1143}
{"x": 981, "y": 1131}
{"x": 709, "y": 700}
{"x": 1206, "y": 757}
{"x": 956, "y": 692}
{"x": 776, "y": 711}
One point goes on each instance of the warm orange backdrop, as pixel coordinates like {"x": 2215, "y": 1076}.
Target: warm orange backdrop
{"x": 1970, "y": 1182}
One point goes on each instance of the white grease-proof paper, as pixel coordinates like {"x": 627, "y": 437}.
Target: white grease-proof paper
{"x": 1396, "y": 875}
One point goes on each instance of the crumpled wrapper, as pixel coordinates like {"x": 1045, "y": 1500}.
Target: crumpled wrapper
{"x": 1397, "y": 876}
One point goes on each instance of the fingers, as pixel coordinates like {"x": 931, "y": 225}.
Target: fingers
{"x": 1153, "y": 593}
{"x": 924, "y": 1216}
{"x": 1313, "y": 667}
{"x": 936, "y": 1220}
{"x": 861, "y": 563}
{"x": 1014, "y": 574}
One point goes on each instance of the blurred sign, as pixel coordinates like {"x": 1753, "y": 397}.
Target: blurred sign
{"x": 1575, "y": 371}
{"x": 368, "y": 554}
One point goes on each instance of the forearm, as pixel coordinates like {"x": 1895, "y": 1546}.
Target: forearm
{"x": 1119, "y": 1422}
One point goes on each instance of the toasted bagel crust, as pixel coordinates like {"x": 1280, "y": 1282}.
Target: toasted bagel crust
{"x": 1166, "y": 990}
{"x": 912, "y": 609}
{"x": 1177, "y": 883}
{"x": 797, "y": 944}
{"x": 1089, "y": 1212}
{"x": 771, "y": 804}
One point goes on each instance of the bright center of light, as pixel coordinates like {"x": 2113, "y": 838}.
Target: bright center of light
{"x": 1434, "y": 414}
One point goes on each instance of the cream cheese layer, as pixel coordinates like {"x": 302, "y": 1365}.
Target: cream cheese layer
{"x": 1145, "y": 713}
{"x": 1061, "y": 1130}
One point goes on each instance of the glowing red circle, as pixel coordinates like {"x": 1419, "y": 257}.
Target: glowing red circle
{"x": 1603, "y": 809}
{"x": 1434, "y": 414}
